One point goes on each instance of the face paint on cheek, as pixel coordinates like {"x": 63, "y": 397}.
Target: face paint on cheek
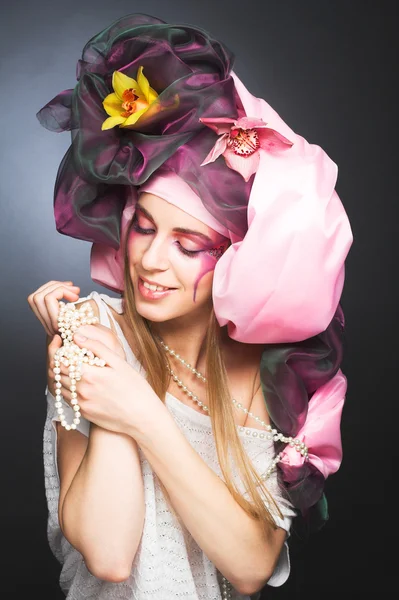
{"x": 208, "y": 263}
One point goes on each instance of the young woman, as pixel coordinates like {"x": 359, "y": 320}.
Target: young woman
{"x": 175, "y": 470}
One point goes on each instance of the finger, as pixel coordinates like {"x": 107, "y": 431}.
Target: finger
{"x": 55, "y": 343}
{"x": 52, "y": 299}
{"x": 105, "y": 335}
{"x": 36, "y": 303}
{"x": 49, "y": 284}
{"x": 45, "y": 304}
{"x": 48, "y": 287}
{"x": 112, "y": 359}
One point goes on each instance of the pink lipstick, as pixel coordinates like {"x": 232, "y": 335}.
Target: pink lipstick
{"x": 151, "y": 294}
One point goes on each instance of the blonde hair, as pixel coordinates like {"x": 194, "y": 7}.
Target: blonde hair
{"x": 152, "y": 357}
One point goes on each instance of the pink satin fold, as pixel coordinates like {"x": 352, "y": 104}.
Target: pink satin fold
{"x": 284, "y": 280}
{"x": 320, "y": 432}
{"x": 176, "y": 191}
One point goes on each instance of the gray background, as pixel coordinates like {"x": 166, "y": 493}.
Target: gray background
{"x": 328, "y": 68}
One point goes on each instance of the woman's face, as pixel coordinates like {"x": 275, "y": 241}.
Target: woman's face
{"x": 170, "y": 248}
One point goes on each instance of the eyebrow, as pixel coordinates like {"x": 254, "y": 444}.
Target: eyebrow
{"x": 177, "y": 229}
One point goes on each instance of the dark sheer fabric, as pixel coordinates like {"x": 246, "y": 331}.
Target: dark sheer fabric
{"x": 290, "y": 374}
{"x": 189, "y": 70}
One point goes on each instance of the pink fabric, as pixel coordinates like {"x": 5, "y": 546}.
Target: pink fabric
{"x": 106, "y": 264}
{"x": 320, "y": 432}
{"x": 284, "y": 280}
{"x": 175, "y": 190}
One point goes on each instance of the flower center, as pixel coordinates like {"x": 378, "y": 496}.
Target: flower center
{"x": 244, "y": 142}
{"x": 129, "y": 104}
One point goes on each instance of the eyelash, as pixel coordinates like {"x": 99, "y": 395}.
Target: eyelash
{"x": 189, "y": 253}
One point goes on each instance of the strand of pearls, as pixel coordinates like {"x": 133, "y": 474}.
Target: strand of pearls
{"x": 271, "y": 434}
{"x": 72, "y": 356}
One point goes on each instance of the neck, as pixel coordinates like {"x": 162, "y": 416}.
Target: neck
{"x": 188, "y": 341}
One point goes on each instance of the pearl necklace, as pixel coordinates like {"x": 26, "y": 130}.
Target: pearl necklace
{"x": 69, "y": 320}
{"x": 271, "y": 434}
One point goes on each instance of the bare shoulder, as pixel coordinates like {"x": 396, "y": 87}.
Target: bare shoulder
{"x": 242, "y": 363}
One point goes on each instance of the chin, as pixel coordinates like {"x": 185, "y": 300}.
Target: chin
{"x": 152, "y": 314}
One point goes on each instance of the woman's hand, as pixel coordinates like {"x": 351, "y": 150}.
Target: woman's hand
{"x": 44, "y": 302}
{"x": 114, "y": 397}
{"x": 97, "y": 332}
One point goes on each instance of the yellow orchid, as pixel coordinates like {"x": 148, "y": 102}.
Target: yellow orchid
{"x": 130, "y": 101}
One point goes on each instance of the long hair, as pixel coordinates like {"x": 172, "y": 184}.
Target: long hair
{"x": 152, "y": 357}
{"x": 313, "y": 362}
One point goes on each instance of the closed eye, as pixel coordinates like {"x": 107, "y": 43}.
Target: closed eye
{"x": 136, "y": 227}
{"x": 190, "y": 253}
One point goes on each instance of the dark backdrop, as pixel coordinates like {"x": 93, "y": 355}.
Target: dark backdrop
{"x": 328, "y": 68}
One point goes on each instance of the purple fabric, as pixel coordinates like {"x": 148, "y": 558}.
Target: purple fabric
{"x": 189, "y": 70}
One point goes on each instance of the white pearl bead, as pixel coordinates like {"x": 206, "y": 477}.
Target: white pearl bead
{"x": 69, "y": 320}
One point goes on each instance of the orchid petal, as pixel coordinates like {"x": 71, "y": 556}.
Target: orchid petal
{"x": 121, "y": 82}
{"x": 149, "y": 94}
{"x": 132, "y": 119}
{"x": 112, "y": 105}
{"x": 218, "y": 149}
{"x": 219, "y": 124}
{"x": 245, "y": 165}
{"x": 111, "y": 122}
{"x": 250, "y": 123}
{"x": 272, "y": 141}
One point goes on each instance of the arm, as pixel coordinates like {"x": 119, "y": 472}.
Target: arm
{"x": 230, "y": 538}
{"x": 101, "y": 500}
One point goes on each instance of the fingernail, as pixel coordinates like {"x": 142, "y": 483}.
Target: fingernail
{"x": 79, "y": 338}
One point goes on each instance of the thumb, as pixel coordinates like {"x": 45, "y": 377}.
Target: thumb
{"x": 55, "y": 343}
{"x": 112, "y": 359}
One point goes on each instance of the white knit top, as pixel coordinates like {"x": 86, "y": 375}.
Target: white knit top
{"x": 168, "y": 564}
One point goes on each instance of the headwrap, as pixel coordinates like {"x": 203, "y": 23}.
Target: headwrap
{"x": 158, "y": 108}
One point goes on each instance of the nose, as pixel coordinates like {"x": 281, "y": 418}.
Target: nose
{"x": 155, "y": 256}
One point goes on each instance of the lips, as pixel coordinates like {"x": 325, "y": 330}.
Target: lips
{"x": 156, "y": 283}
{"x": 149, "y": 294}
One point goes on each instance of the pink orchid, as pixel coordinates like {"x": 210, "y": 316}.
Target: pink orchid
{"x": 240, "y": 141}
